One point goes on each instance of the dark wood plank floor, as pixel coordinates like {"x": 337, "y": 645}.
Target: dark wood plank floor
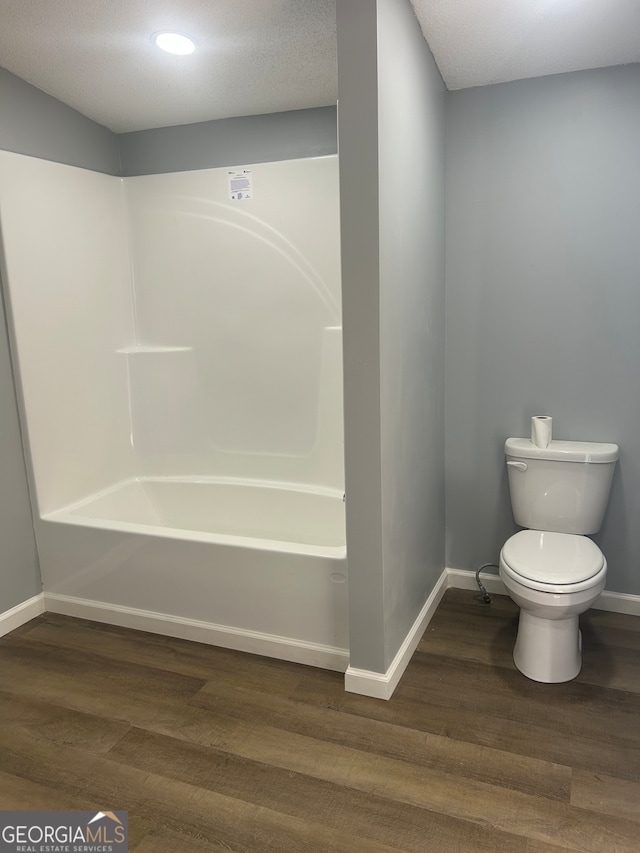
{"x": 213, "y": 750}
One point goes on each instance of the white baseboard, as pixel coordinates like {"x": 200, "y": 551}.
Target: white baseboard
{"x": 614, "y": 602}
{"x": 268, "y": 645}
{"x": 21, "y": 614}
{"x": 618, "y": 602}
{"x": 380, "y": 685}
{"x": 465, "y": 579}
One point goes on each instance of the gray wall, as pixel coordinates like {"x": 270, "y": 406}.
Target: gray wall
{"x": 543, "y": 294}
{"x": 19, "y": 568}
{"x": 412, "y": 300}
{"x": 391, "y": 140}
{"x": 229, "y": 142}
{"x": 38, "y": 125}
{"x": 358, "y": 149}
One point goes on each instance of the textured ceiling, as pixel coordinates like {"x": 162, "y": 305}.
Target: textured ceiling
{"x": 259, "y": 56}
{"x": 478, "y": 42}
{"x": 254, "y": 56}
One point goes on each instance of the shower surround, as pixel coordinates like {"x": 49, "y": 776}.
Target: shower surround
{"x": 179, "y": 362}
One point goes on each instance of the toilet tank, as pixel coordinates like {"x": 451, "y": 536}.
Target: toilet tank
{"x": 564, "y": 487}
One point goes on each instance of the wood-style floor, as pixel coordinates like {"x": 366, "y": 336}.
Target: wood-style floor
{"x": 214, "y": 750}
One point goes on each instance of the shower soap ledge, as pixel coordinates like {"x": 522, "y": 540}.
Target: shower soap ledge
{"x": 154, "y": 349}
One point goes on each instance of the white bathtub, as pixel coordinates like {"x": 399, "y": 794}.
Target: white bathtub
{"x": 250, "y": 565}
{"x": 274, "y": 516}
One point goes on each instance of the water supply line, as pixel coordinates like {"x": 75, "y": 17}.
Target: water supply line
{"x": 483, "y": 592}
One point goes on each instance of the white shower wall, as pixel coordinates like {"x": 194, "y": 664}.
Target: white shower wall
{"x": 238, "y": 315}
{"x": 66, "y": 264}
{"x": 163, "y": 329}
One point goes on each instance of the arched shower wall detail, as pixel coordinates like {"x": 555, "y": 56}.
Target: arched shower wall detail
{"x": 265, "y": 287}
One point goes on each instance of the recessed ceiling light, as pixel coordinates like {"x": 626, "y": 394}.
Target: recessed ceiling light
{"x": 174, "y": 43}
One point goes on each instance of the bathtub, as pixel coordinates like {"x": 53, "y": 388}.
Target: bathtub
{"x": 255, "y": 566}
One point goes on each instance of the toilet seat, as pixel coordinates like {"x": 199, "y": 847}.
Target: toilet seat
{"x": 552, "y": 562}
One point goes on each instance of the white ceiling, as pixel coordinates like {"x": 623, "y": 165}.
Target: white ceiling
{"x": 478, "y": 42}
{"x": 254, "y": 56}
{"x": 259, "y": 56}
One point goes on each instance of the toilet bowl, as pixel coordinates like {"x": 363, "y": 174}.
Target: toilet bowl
{"x": 552, "y": 577}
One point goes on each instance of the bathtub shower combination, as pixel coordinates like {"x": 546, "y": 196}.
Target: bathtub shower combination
{"x": 179, "y": 361}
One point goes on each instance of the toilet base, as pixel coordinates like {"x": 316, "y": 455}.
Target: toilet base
{"x": 548, "y": 650}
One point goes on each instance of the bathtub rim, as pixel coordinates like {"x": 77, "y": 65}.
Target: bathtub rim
{"x": 66, "y": 515}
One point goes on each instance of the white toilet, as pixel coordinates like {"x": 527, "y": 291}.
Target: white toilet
{"x": 551, "y": 570}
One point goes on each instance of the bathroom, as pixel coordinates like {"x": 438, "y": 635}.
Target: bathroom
{"x": 531, "y": 303}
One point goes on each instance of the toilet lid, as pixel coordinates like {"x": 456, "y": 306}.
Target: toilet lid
{"x": 553, "y": 558}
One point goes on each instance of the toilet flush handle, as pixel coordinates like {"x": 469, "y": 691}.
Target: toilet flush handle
{"x": 521, "y": 466}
